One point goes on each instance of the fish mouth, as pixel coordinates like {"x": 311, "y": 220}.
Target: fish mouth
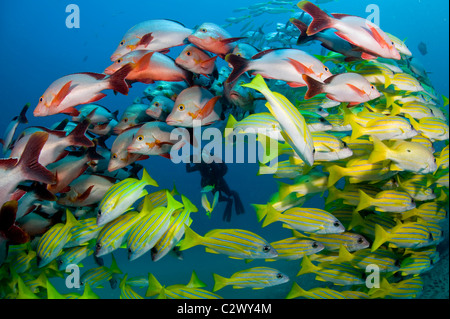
{"x": 131, "y": 149}
{"x": 172, "y": 122}
{"x": 108, "y": 71}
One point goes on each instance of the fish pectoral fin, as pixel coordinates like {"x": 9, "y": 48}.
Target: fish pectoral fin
{"x": 211, "y": 251}
{"x": 61, "y": 95}
{"x": 377, "y": 36}
{"x": 300, "y": 67}
{"x": 360, "y": 92}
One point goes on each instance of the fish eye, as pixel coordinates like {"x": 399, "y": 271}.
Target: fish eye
{"x": 125, "y": 120}
{"x": 280, "y": 275}
{"x": 435, "y": 160}
{"x": 336, "y": 224}
{"x": 409, "y": 151}
{"x": 181, "y": 107}
{"x": 41, "y": 99}
{"x": 326, "y": 69}
{"x": 430, "y": 236}
{"x": 315, "y": 245}
{"x": 119, "y": 60}
{"x": 98, "y": 246}
{"x": 266, "y": 248}
{"x": 188, "y": 53}
{"x": 203, "y": 30}
{"x": 114, "y": 156}
{"x": 360, "y": 240}
{"x": 412, "y": 201}
{"x": 140, "y": 138}
{"x": 321, "y": 120}
{"x": 156, "y": 104}
{"x": 238, "y": 54}
{"x": 372, "y": 87}
{"x": 99, "y": 213}
{"x": 122, "y": 42}
{"x": 314, "y": 151}
{"x": 344, "y": 144}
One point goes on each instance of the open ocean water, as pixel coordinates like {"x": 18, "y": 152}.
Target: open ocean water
{"x": 38, "y": 48}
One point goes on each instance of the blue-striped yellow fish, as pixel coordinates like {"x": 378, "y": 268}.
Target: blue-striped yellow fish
{"x": 404, "y": 235}
{"x": 366, "y": 225}
{"x": 126, "y": 291}
{"x": 385, "y": 128}
{"x": 415, "y": 264}
{"x": 405, "y": 289}
{"x": 150, "y": 227}
{"x": 311, "y": 220}
{"x": 293, "y": 248}
{"x": 416, "y": 110}
{"x": 73, "y": 255}
{"x": 391, "y": 201}
{"x": 359, "y": 170}
{"x": 417, "y": 188}
{"x": 427, "y": 211}
{"x": 340, "y": 274}
{"x": 385, "y": 259}
{"x": 53, "y": 241}
{"x": 405, "y": 82}
{"x": 329, "y": 147}
{"x": 256, "y": 278}
{"x": 236, "y": 243}
{"x": 434, "y": 128}
{"x": 332, "y": 242}
{"x": 190, "y": 291}
{"x": 175, "y": 232}
{"x": 121, "y": 196}
{"x": 442, "y": 159}
{"x": 115, "y": 233}
{"x": 283, "y": 169}
{"x": 294, "y": 127}
{"x": 97, "y": 276}
{"x": 259, "y": 123}
{"x": 86, "y": 230}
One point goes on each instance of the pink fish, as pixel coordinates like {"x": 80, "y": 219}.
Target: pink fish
{"x": 63, "y": 95}
{"x": 196, "y": 60}
{"x": 282, "y": 64}
{"x": 56, "y": 144}
{"x": 155, "y": 66}
{"x": 346, "y": 87}
{"x": 152, "y": 35}
{"x": 212, "y": 38}
{"x": 366, "y": 36}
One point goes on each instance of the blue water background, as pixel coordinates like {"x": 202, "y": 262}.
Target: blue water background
{"x": 37, "y": 48}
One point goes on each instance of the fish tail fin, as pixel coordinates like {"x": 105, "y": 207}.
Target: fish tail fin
{"x": 336, "y": 172}
{"x": 445, "y": 100}
{"x": 303, "y": 27}
{"x": 191, "y": 239}
{"x": 381, "y": 236}
{"x": 357, "y": 130}
{"x": 261, "y": 211}
{"x": 380, "y": 151}
{"x": 147, "y": 179}
{"x": 395, "y": 110}
{"x": 239, "y": 64}
{"x": 219, "y": 282}
{"x": 188, "y": 204}
{"x": 284, "y": 190}
{"x": 307, "y": 266}
{"x": 387, "y": 80}
{"x": 230, "y": 125}
{"x": 364, "y": 201}
{"x": 258, "y": 84}
{"x": 357, "y": 220}
{"x": 29, "y": 160}
{"x": 344, "y": 255}
{"x": 389, "y": 99}
{"x": 117, "y": 80}
{"x": 271, "y": 216}
{"x": 78, "y": 138}
{"x": 22, "y": 116}
{"x": 296, "y": 291}
{"x": 52, "y": 293}
{"x": 314, "y": 87}
{"x": 154, "y": 287}
{"x": 321, "y": 20}
{"x": 195, "y": 281}
{"x": 114, "y": 268}
{"x": 172, "y": 203}
{"x": 71, "y": 221}
{"x": 333, "y": 194}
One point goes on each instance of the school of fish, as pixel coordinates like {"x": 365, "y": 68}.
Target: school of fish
{"x": 360, "y": 123}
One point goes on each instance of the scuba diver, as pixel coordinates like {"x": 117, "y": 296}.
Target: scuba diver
{"x": 213, "y": 175}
